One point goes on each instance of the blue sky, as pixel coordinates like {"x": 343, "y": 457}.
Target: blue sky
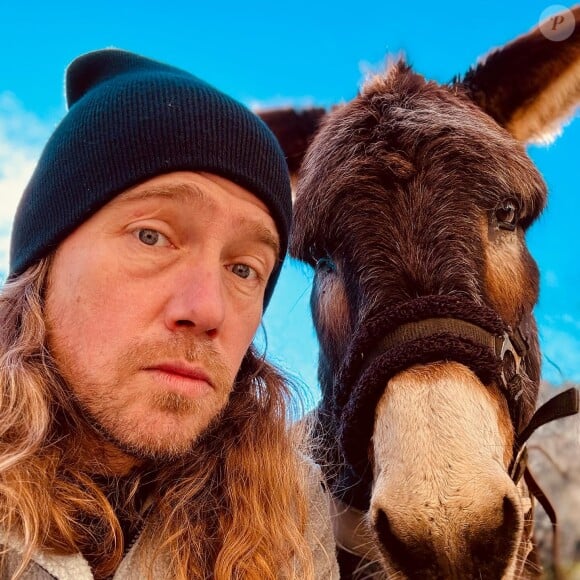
{"x": 299, "y": 53}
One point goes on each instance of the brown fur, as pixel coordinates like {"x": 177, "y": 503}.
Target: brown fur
{"x": 400, "y": 196}
{"x": 404, "y": 177}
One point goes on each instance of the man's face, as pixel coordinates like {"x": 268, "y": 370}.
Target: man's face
{"x": 153, "y": 302}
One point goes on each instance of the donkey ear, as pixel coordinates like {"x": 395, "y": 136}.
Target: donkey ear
{"x": 531, "y": 86}
{"x": 294, "y": 130}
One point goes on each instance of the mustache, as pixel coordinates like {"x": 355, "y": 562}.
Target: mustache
{"x": 204, "y": 353}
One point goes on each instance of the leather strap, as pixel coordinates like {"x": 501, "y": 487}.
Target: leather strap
{"x": 564, "y": 404}
{"x": 513, "y": 343}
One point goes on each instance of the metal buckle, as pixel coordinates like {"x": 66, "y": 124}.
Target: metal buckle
{"x": 502, "y": 349}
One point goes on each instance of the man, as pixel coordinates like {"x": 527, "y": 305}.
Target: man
{"x": 140, "y": 434}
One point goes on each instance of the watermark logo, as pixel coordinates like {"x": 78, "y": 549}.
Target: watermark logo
{"x": 557, "y": 23}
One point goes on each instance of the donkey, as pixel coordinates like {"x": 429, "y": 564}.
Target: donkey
{"x": 412, "y": 205}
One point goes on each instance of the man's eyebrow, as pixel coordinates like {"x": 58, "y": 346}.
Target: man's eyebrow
{"x": 261, "y": 233}
{"x": 179, "y": 191}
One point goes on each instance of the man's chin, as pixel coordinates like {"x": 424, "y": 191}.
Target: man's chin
{"x": 158, "y": 451}
{"x": 164, "y": 435}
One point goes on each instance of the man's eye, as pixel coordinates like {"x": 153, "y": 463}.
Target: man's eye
{"x": 151, "y": 237}
{"x": 243, "y": 270}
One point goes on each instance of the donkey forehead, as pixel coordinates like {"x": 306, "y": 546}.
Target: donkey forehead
{"x": 403, "y": 136}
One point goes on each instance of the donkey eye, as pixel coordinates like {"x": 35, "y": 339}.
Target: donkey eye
{"x": 325, "y": 266}
{"x": 507, "y": 215}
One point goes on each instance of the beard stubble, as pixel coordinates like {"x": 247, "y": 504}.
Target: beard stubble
{"x": 103, "y": 403}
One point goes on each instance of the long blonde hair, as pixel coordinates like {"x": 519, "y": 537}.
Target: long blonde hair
{"x": 236, "y": 508}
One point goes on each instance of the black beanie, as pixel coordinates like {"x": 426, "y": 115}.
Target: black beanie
{"x": 129, "y": 119}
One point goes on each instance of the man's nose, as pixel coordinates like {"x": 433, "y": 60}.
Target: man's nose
{"x": 197, "y": 300}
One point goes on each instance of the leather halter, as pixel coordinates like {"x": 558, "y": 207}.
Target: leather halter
{"x": 509, "y": 345}
{"x": 510, "y": 349}
{"x": 513, "y": 344}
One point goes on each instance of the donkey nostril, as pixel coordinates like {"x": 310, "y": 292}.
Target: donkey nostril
{"x": 500, "y": 540}
{"x": 510, "y": 513}
{"x": 406, "y": 554}
{"x": 483, "y": 548}
{"x": 383, "y": 528}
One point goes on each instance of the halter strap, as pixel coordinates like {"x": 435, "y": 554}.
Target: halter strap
{"x": 513, "y": 343}
{"x": 564, "y": 404}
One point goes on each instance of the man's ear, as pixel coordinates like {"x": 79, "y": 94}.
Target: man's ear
{"x": 294, "y": 130}
{"x": 531, "y": 86}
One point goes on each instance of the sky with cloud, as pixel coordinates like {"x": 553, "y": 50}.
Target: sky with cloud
{"x": 298, "y": 54}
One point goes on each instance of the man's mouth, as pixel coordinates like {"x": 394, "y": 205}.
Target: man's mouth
{"x": 183, "y": 376}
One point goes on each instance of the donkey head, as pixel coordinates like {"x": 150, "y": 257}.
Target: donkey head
{"x": 412, "y": 205}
